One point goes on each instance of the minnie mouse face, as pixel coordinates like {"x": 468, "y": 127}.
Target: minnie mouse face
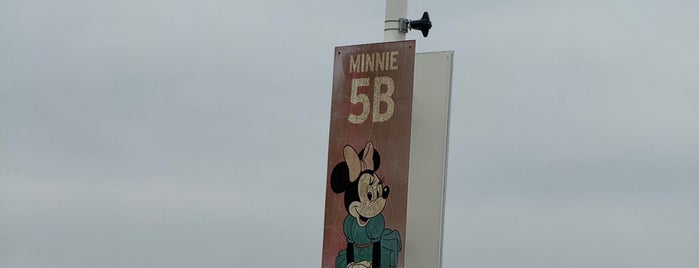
{"x": 365, "y": 195}
{"x": 372, "y": 198}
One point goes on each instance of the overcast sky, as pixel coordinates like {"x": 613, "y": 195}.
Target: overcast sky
{"x": 179, "y": 133}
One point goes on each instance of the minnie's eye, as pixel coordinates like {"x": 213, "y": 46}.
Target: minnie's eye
{"x": 369, "y": 195}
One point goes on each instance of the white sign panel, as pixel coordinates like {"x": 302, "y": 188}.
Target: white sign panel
{"x": 428, "y": 159}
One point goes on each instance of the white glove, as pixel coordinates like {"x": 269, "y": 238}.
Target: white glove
{"x": 361, "y": 264}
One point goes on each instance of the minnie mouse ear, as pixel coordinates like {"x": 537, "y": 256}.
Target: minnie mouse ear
{"x": 339, "y": 178}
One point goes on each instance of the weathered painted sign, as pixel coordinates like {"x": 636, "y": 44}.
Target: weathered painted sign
{"x": 368, "y": 157}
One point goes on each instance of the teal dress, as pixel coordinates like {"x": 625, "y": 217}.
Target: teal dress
{"x": 364, "y": 237}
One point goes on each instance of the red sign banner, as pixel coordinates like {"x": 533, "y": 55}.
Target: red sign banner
{"x": 368, "y": 156}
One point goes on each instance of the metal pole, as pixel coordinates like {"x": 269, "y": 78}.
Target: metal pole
{"x": 395, "y": 9}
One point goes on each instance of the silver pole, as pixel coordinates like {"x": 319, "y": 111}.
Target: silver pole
{"x": 395, "y": 9}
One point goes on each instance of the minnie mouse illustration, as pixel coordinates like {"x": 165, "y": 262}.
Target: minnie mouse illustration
{"x": 369, "y": 244}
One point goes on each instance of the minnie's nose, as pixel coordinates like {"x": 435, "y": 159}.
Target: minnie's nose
{"x": 384, "y": 194}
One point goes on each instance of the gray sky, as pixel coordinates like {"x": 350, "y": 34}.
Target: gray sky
{"x": 194, "y": 133}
